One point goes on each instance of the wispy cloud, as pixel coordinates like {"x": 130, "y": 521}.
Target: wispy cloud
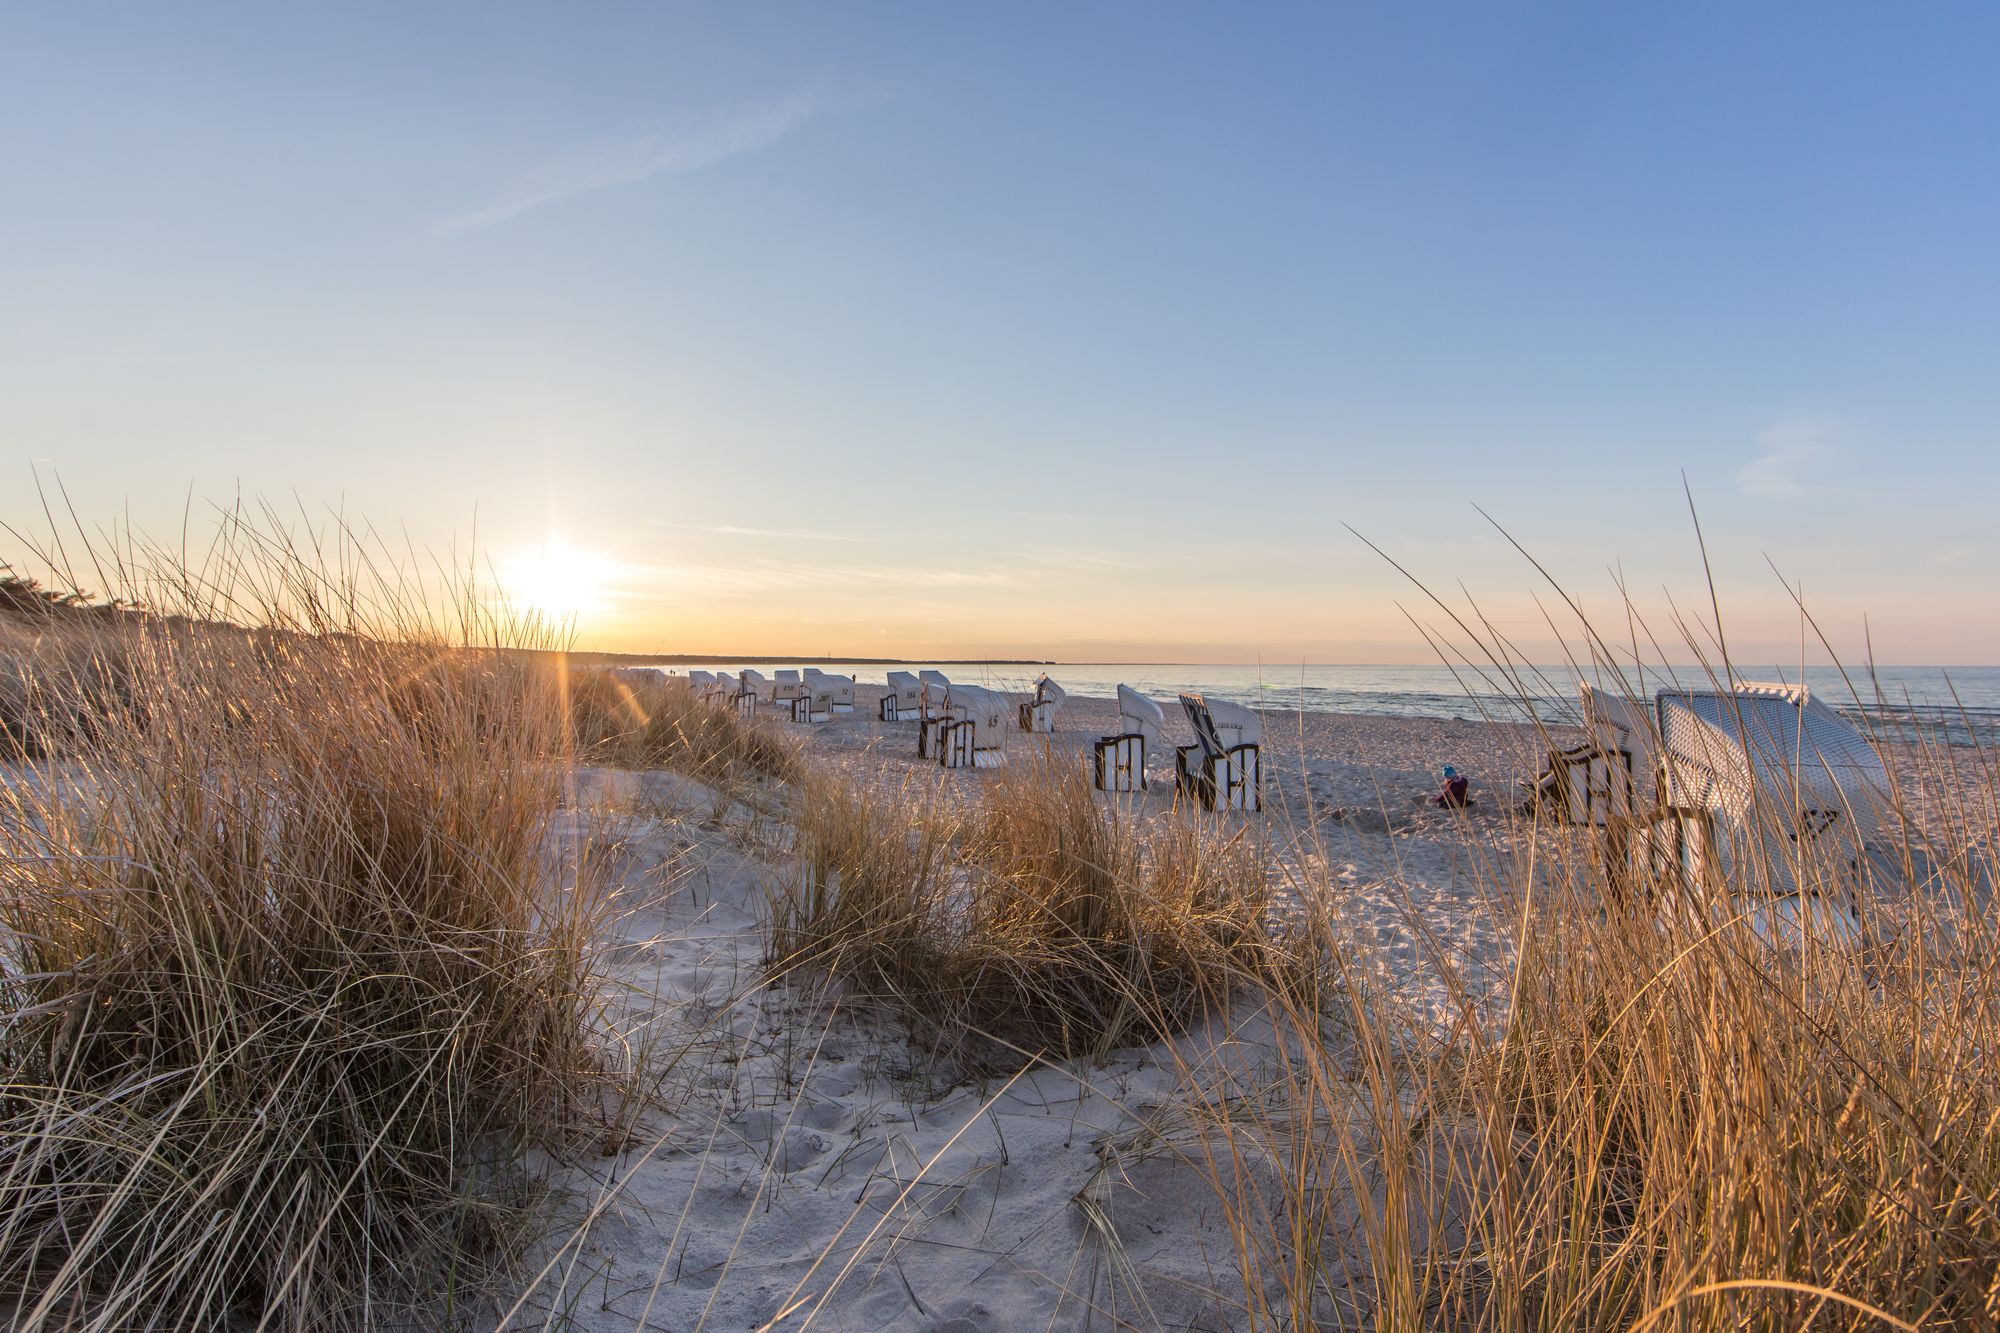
{"x": 762, "y": 576}
{"x": 1079, "y": 558}
{"x": 1787, "y": 450}
{"x": 686, "y": 147}
{"x": 785, "y": 534}
{"x": 1061, "y": 514}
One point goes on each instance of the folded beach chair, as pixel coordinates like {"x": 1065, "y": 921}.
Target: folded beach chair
{"x": 904, "y": 700}
{"x": 1222, "y": 768}
{"x": 1118, "y": 762}
{"x": 1595, "y": 783}
{"x": 976, "y": 734}
{"x": 933, "y": 710}
{"x": 1770, "y": 797}
{"x": 1039, "y": 713}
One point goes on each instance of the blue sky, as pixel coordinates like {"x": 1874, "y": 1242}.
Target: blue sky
{"x": 1067, "y": 331}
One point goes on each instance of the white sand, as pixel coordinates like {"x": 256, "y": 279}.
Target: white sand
{"x": 807, "y": 1156}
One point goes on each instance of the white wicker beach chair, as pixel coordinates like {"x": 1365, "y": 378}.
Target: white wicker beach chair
{"x": 702, "y": 683}
{"x": 933, "y": 710}
{"x": 1118, "y": 761}
{"x": 1768, "y": 795}
{"x": 749, "y": 685}
{"x": 904, "y": 700}
{"x": 1223, "y": 768}
{"x": 976, "y": 735}
{"x": 786, "y": 691}
{"x": 813, "y": 702}
{"x": 1598, "y": 782}
{"x": 1039, "y": 713}
{"x": 831, "y": 694}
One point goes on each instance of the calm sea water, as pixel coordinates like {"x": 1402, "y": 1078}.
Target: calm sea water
{"x": 1962, "y": 701}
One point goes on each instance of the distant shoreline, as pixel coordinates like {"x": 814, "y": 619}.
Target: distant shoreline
{"x": 684, "y": 659}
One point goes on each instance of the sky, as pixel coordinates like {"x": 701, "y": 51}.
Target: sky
{"x": 1040, "y": 331}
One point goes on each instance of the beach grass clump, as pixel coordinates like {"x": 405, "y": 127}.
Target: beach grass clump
{"x": 619, "y": 722}
{"x": 1038, "y": 922}
{"x": 1691, "y": 1111}
{"x": 286, "y": 996}
{"x": 61, "y": 684}
{"x": 1699, "y": 1105}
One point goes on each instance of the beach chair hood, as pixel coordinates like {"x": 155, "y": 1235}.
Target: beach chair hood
{"x": 1775, "y": 744}
{"x": 989, "y": 709}
{"x": 1140, "y": 714}
{"x": 1238, "y": 725}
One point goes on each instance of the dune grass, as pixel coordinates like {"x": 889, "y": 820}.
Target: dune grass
{"x": 60, "y": 683}
{"x": 663, "y": 725}
{"x": 1680, "y": 1117}
{"x": 1033, "y": 924}
{"x": 287, "y": 997}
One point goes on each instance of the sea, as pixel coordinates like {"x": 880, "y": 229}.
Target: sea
{"x": 1960, "y": 704}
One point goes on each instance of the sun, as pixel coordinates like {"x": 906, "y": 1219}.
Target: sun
{"x": 556, "y": 581}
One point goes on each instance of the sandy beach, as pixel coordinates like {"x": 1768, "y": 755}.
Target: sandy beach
{"x": 816, "y": 1160}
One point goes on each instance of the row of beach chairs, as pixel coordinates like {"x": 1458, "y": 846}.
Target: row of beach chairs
{"x": 967, "y": 726}
{"x": 810, "y": 695}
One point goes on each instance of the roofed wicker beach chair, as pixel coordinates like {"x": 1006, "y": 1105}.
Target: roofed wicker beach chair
{"x": 1223, "y": 768}
{"x": 976, "y": 734}
{"x": 749, "y": 685}
{"x": 1597, "y": 782}
{"x": 904, "y": 701}
{"x": 786, "y": 690}
{"x": 1118, "y": 761}
{"x": 1770, "y": 797}
{"x": 702, "y": 683}
{"x": 1039, "y": 713}
{"x": 814, "y": 702}
{"x": 832, "y": 694}
{"x": 933, "y": 710}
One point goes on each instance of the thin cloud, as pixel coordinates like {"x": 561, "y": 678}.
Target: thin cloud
{"x": 767, "y": 575}
{"x": 1080, "y": 557}
{"x": 785, "y": 534}
{"x": 1789, "y": 450}
{"x": 628, "y": 161}
{"x": 1061, "y": 514}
